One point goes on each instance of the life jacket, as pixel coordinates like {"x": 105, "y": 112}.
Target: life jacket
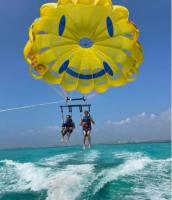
{"x": 69, "y": 123}
{"x": 86, "y": 122}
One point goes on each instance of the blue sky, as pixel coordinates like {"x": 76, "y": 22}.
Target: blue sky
{"x": 149, "y": 94}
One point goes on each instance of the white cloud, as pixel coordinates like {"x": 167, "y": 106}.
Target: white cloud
{"x": 141, "y": 117}
{"x": 143, "y": 114}
{"x": 142, "y": 126}
{"x": 139, "y": 127}
{"x": 152, "y": 116}
{"x": 166, "y": 115}
{"x": 124, "y": 121}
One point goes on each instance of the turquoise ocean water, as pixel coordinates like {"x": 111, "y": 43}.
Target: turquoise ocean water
{"x": 104, "y": 172}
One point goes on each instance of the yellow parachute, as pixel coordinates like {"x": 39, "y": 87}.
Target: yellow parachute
{"x": 84, "y": 45}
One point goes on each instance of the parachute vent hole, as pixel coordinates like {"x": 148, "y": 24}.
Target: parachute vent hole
{"x": 85, "y": 42}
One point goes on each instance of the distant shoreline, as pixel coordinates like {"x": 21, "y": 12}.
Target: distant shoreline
{"x": 67, "y": 146}
{"x": 142, "y": 142}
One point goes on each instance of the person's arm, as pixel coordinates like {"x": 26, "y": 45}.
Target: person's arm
{"x": 92, "y": 121}
{"x": 73, "y": 124}
{"x": 81, "y": 122}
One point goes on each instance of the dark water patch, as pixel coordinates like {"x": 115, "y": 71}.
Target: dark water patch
{"x": 118, "y": 189}
{"x": 108, "y": 165}
{"x": 27, "y": 195}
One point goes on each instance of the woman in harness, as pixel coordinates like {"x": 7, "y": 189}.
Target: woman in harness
{"x": 86, "y": 122}
{"x": 67, "y": 127}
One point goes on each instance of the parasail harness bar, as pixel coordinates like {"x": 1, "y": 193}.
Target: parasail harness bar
{"x": 80, "y": 106}
{"x": 75, "y": 99}
{"x": 70, "y": 107}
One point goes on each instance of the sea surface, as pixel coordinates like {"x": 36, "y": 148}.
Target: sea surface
{"x": 104, "y": 172}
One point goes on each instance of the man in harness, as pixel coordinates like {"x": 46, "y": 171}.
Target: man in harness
{"x": 67, "y": 128}
{"x": 86, "y": 122}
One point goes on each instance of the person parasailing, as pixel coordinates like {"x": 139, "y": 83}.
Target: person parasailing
{"x": 67, "y": 128}
{"x": 86, "y": 122}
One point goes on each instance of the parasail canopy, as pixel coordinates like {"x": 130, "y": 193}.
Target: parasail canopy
{"x": 84, "y": 45}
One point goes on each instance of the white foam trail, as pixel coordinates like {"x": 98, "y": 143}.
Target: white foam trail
{"x": 151, "y": 182}
{"x": 128, "y": 155}
{"x": 28, "y": 175}
{"x": 155, "y": 184}
{"x": 55, "y": 160}
{"x": 70, "y": 183}
{"x": 129, "y": 167}
{"x": 7, "y": 178}
{"x": 30, "y": 106}
{"x": 64, "y": 184}
{"x": 159, "y": 191}
{"x": 92, "y": 156}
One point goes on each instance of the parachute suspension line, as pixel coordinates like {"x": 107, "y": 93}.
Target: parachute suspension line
{"x": 91, "y": 95}
{"x": 57, "y": 91}
{"x": 85, "y": 99}
{"x": 62, "y": 114}
{"x": 65, "y": 94}
{"x": 81, "y": 112}
{"x": 70, "y": 110}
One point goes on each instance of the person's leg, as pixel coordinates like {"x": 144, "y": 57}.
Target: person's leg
{"x": 89, "y": 138}
{"x": 64, "y": 131}
{"x": 85, "y": 137}
{"x": 68, "y": 136}
{"x": 69, "y": 133}
{"x": 70, "y": 129}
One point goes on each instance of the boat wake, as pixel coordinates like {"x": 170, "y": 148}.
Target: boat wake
{"x": 70, "y": 181}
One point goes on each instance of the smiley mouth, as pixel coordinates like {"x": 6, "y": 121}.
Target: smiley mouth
{"x": 65, "y": 68}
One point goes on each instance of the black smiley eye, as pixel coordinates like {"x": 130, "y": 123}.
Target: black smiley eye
{"x": 109, "y": 26}
{"x": 62, "y": 24}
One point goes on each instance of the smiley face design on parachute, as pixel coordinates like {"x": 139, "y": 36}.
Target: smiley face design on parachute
{"x": 85, "y": 45}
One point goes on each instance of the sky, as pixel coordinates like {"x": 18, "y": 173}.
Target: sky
{"x": 137, "y": 111}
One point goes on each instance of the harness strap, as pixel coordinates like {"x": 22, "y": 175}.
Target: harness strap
{"x": 62, "y": 114}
